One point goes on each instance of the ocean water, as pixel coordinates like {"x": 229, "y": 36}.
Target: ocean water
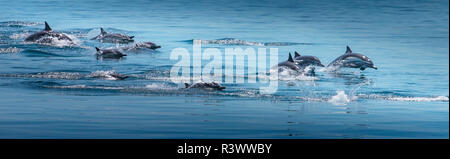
{"x": 66, "y": 92}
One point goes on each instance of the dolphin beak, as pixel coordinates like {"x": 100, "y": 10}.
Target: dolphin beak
{"x": 375, "y": 67}
{"x": 321, "y": 65}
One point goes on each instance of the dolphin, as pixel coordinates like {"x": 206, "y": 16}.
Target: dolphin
{"x": 119, "y": 76}
{"x": 304, "y": 61}
{"x": 111, "y": 76}
{"x": 47, "y": 36}
{"x": 113, "y": 37}
{"x": 109, "y": 53}
{"x": 290, "y": 63}
{"x": 142, "y": 45}
{"x": 116, "y": 76}
{"x": 353, "y": 60}
{"x": 205, "y": 85}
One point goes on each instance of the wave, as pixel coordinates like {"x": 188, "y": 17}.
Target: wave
{"x": 18, "y": 24}
{"x": 234, "y": 41}
{"x": 106, "y": 75}
{"x": 17, "y": 36}
{"x": 10, "y": 50}
{"x": 339, "y": 99}
{"x": 55, "y": 75}
{"x": 82, "y": 86}
{"x": 40, "y": 53}
{"x": 405, "y": 98}
{"x": 343, "y": 99}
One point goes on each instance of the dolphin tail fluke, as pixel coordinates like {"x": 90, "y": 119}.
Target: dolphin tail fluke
{"x": 102, "y": 31}
{"x": 290, "y": 58}
{"x": 47, "y": 27}
{"x": 348, "y": 50}
{"x": 297, "y": 54}
{"x": 187, "y": 85}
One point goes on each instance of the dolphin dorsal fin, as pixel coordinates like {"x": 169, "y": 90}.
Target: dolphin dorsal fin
{"x": 96, "y": 48}
{"x": 102, "y": 31}
{"x": 296, "y": 54}
{"x": 290, "y": 58}
{"x": 47, "y": 27}
{"x": 348, "y": 50}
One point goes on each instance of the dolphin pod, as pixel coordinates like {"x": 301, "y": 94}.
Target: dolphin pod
{"x": 349, "y": 60}
{"x": 299, "y": 63}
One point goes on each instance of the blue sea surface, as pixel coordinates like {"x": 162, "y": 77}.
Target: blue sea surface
{"x": 66, "y": 92}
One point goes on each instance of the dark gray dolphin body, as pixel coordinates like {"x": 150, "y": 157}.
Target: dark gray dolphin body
{"x": 290, "y": 63}
{"x": 109, "y": 53}
{"x": 47, "y": 36}
{"x": 352, "y": 60}
{"x": 142, "y": 45}
{"x": 205, "y": 85}
{"x": 112, "y": 37}
{"x": 305, "y": 61}
{"x": 118, "y": 76}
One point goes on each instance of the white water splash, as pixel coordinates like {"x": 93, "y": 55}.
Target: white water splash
{"x": 54, "y": 41}
{"x": 107, "y": 75}
{"x": 286, "y": 74}
{"x": 160, "y": 86}
{"x": 56, "y": 75}
{"x": 19, "y": 36}
{"x": 340, "y": 98}
{"x": 231, "y": 41}
{"x": 234, "y": 41}
{"x": 82, "y": 86}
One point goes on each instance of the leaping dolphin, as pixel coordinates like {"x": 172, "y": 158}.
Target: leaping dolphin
{"x": 47, "y": 36}
{"x": 113, "y": 37}
{"x": 109, "y": 53}
{"x": 290, "y": 63}
{"x": 304, "y": 61}
{"x": 205, "y": 85}
{"x": 352, "y": 60}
